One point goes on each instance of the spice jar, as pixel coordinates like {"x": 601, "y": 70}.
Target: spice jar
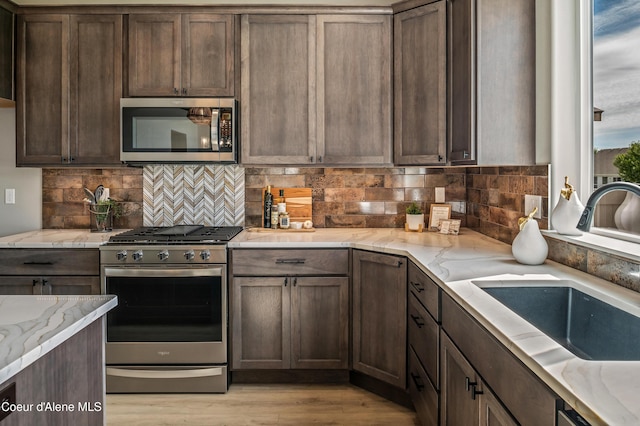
{"x": 274, "y": 216}
{"x": 284, "y": 220}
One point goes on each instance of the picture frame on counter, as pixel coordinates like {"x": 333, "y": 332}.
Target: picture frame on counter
{"x": 438, "y": 212}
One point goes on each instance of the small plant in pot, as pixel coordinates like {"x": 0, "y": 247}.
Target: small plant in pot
{"x": 415, "y": 218}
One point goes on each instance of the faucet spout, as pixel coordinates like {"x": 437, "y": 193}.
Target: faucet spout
{"x": 584, "y": 224}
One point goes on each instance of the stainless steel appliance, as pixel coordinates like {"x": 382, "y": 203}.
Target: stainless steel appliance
{"x": 169, "y": 330}
{"x": 178, "y": 130}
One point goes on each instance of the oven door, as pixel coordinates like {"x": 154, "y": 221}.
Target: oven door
{"x": 167, "y": 315}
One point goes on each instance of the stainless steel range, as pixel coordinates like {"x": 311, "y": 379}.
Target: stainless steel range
{"x": 169, "y": 331}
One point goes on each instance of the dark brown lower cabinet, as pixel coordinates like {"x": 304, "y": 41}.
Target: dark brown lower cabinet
{"x": 465, "y": 398}
{"x": 290, "y": 322}
{"x": 379, "y": 309}
{"x": 49, "y": 271}
{"x": 472, "y": 360}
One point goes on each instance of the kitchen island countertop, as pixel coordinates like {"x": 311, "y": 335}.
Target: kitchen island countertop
{"x": 31, "y": 326}
{"x": 604, "y": 392}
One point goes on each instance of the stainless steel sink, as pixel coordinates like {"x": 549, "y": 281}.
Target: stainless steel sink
{"x": 588, "y": 327}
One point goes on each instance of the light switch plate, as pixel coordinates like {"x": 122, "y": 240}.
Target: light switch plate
{"x": 9, "y": 196}
{"x": 532, "y": 201}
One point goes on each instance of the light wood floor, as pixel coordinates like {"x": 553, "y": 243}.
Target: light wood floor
{"x": 341, "y": 404}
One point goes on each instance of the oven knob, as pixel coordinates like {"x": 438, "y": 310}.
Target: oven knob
{"x": 137, "y": 255}
{"x": 189, "y": 255}
{"x": 121, "y": 255}
{"x": 163, "y": 255}
{"x": 205, "y": 254}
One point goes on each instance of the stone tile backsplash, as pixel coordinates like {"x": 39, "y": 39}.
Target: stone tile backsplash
{"x": 487, "y": 199}
{"x": 62, "y": 196}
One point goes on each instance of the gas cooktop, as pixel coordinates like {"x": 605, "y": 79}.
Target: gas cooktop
{"x": 178, "y": 234}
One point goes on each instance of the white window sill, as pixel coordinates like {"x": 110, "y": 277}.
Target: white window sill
{"x": 600, "y": 239}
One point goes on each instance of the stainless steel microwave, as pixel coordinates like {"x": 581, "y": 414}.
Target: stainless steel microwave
{"x": 178, "y": 130}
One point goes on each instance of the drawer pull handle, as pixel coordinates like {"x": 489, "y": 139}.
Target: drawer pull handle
{"x": 418, "y": 321}
{"x": 37, "y": 263}
{"x": 417, "y": 381}
{"x": 286, "y": 281}
{"x": 418, "y": 286}
{"x": 295, "y": 281}
{"x": 290, "y": 261}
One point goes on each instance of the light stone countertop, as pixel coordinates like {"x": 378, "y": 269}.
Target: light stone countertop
{"x": 604, "y": 392}
{"x": 31, "y": 326}
{"x": 58, "y": 238}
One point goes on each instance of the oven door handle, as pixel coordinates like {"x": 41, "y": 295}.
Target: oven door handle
{"x": 164, "y": 374}
{"x": 164, "y": 272}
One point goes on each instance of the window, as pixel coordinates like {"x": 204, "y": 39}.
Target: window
{"x": 616, "y": 98}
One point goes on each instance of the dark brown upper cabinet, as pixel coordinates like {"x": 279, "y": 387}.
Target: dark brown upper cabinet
{"x": 69, "y": 85}
{"x": 491, "y": 82}
{"x": 6, "y": 57}
{"x": 325, "y": 99}
{"x": 420, "y": 85}
{"x": 181, "y": 55}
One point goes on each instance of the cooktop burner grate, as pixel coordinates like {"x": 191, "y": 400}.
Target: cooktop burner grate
{"x": 177, "y": 234}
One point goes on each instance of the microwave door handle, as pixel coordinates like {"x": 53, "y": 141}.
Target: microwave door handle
{"x": 215, "y": 129}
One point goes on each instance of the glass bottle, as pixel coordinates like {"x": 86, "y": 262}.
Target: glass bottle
{"x": 274, "y": 217}
{"x": 268, "y": 202}
{"x": 282, "y": 205}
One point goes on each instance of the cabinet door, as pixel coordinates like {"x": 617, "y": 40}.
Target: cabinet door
{"x": 506, "y": 86}
{"x": 260, "y": 323}
{"x": 20, "y": 285}
{"x": 461, "y": 81}
{"x": 319, "y": 322}
{"x": 492, "y": 413}
{"x": 354, "y": 89}
{"x": 96, "y": 74}
{"x": 458, "y": 404}
{"x": 207, "y": 55}
{"x": 6, "y": 55}
{"x": 278, "y": 89}
{"x": 154, "y": 55}
{"x": 420, "y": 115}
{"x": 70, "y": 285}
{"x": 379, "y": 316}
{"x": 42, "y": 95}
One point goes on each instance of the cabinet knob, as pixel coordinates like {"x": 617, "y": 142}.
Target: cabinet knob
{"x": 184, "y": 90}
{"x": 286, "y": 281}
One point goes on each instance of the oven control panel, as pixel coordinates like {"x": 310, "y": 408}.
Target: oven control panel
{"x": 117, "y": 255}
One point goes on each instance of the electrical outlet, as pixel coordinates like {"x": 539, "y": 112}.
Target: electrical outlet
{"x": 531, "y": 202}
{"x": 439, "y": 194}
{"x": 9, "y": 196}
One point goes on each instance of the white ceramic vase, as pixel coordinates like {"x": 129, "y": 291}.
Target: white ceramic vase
{"x": 627, "y": 216}
{"x": 529, "y": 247}
{"x": 414, "y": 221}
{"x": 566, "y": 214}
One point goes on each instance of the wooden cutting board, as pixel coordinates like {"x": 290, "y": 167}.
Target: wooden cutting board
{"x": 299, "y": 202}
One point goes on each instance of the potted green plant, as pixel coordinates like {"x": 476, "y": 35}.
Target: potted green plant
{"x": 414, "y": 218}
{"x": 104, "y": 211}
{"x": 627, "y": 216}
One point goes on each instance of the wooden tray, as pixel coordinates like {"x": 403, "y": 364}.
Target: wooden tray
{"x": 280, "y": 230}
{"x": 299, "y": 203}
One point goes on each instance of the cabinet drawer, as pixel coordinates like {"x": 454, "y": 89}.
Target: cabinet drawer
{"x": 529, "y": 400}
{"x": 290, "y": 262}
{"x": 49, "y": 262}
{"x": 423, "y": 336}
{"x": 54, "y": 285}
{"x": 423, "y": 394}
{"x": 427, "y": 291}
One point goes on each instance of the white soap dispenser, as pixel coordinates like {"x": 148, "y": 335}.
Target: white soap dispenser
{"x": 529, "y": 246}
{"x": 567, "y": 212}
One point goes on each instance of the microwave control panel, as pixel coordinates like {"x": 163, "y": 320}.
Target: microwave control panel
{"x": 226, "y": 129}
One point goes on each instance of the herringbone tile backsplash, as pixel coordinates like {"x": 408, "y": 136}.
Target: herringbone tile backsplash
{"x": 193, "y": 194}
